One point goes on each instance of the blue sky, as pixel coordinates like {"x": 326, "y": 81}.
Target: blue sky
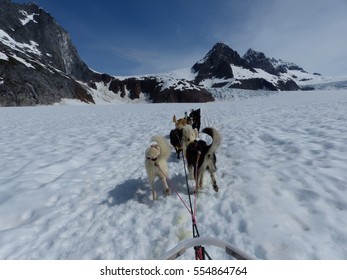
{"x": 134, "y": 37}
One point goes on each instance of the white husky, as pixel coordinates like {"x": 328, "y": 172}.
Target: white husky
{"x": 156, "y": 163}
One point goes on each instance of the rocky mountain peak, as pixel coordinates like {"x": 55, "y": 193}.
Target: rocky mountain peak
{"x": 222, "y": 52}
{"x": 38, "y": 62}
{"x": 252, "y": 71}
{"x": 257, "y": 59}
{"x": 283, "y": 66}
{"x": 40, "y": 65}
{"x": 216, "y": 63}
{"x": 32, "y": 26}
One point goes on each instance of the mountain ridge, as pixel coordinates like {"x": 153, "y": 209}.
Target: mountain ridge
{"x": 40, "y": 65}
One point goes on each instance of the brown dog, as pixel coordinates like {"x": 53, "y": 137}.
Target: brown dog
{"x": 180, "y": 123}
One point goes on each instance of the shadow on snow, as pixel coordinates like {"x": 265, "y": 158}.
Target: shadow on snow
{"x": 139, "y": 190}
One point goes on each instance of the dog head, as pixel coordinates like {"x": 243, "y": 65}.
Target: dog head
{"x": 180, "y": 122}
{"x": 153, "y": 152}
{"x": 189, "y": 134}
{"x": 195, "y": 114}
{"x": 195, "y": 119}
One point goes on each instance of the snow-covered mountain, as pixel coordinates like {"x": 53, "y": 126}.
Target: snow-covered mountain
{"x": 38, "y": 62}
{"x": 40, "y": 65}
{"x": 223, "y": 67}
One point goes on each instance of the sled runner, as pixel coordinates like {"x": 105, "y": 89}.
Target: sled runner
{"x": 181, "y": 248}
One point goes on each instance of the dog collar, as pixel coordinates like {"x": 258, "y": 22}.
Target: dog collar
{"x": 152, "y": 159}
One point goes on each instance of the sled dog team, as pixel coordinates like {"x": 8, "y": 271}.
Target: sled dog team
{"x": 199, "y": 154}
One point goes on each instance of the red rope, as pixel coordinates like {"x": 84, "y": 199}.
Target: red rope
{"x": 195, "y": 190}
{"x": 199, "y": 253}
{"x": 199, "y": 250}
{"x": 175, "y": 190}
{"x": 183, "y": 202}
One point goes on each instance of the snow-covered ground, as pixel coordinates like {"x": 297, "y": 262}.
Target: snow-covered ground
{"x": 73, "y": 183}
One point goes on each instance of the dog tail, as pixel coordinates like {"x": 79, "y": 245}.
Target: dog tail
{"x": 165, "y": 148}
{"x": 174, "y": 119}
{"x": 215, "y": 137}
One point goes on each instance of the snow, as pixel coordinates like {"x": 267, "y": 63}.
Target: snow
{"x": 242, "y": 73}
{"x": 3, "y": 56}
{"x": 102, "y": 95}
{"x": 180, "y": 85}
{"x": 17, "y": 46}
{"x": 27, "y": 18}
{"x": 73, "y": 183}
{"x": 178, "y": 79}
{"x": 21, "y": 60}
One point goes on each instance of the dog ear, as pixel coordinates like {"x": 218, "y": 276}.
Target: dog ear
{"x": 174, "y": 119}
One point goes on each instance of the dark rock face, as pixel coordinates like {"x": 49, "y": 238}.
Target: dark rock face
{"x": 26, "y": 86}
{"x": 42, "y": 66}
{"x": 153, "y": 88}
{"x": 185, "y": 96}
{"x": 54, "y": 45}
{"x": 255, "y": 84}
{"x": 82, "y": 94}
{"x": 216, "y": 63}
{"x": 289, "y": 85}
{"x": 259, "y": 60}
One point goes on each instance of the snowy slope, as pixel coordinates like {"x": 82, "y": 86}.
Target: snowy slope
{"x": 73, "y": 183}
{"x": 302, "y": 78}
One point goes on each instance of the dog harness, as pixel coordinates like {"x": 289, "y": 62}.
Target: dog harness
{"x": 152, "y": 159}
{"x": 156, "y": 147}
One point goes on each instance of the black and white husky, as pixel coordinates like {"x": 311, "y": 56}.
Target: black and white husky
{"x": 201, "y": 157}
{"x": 156, "y": 163}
